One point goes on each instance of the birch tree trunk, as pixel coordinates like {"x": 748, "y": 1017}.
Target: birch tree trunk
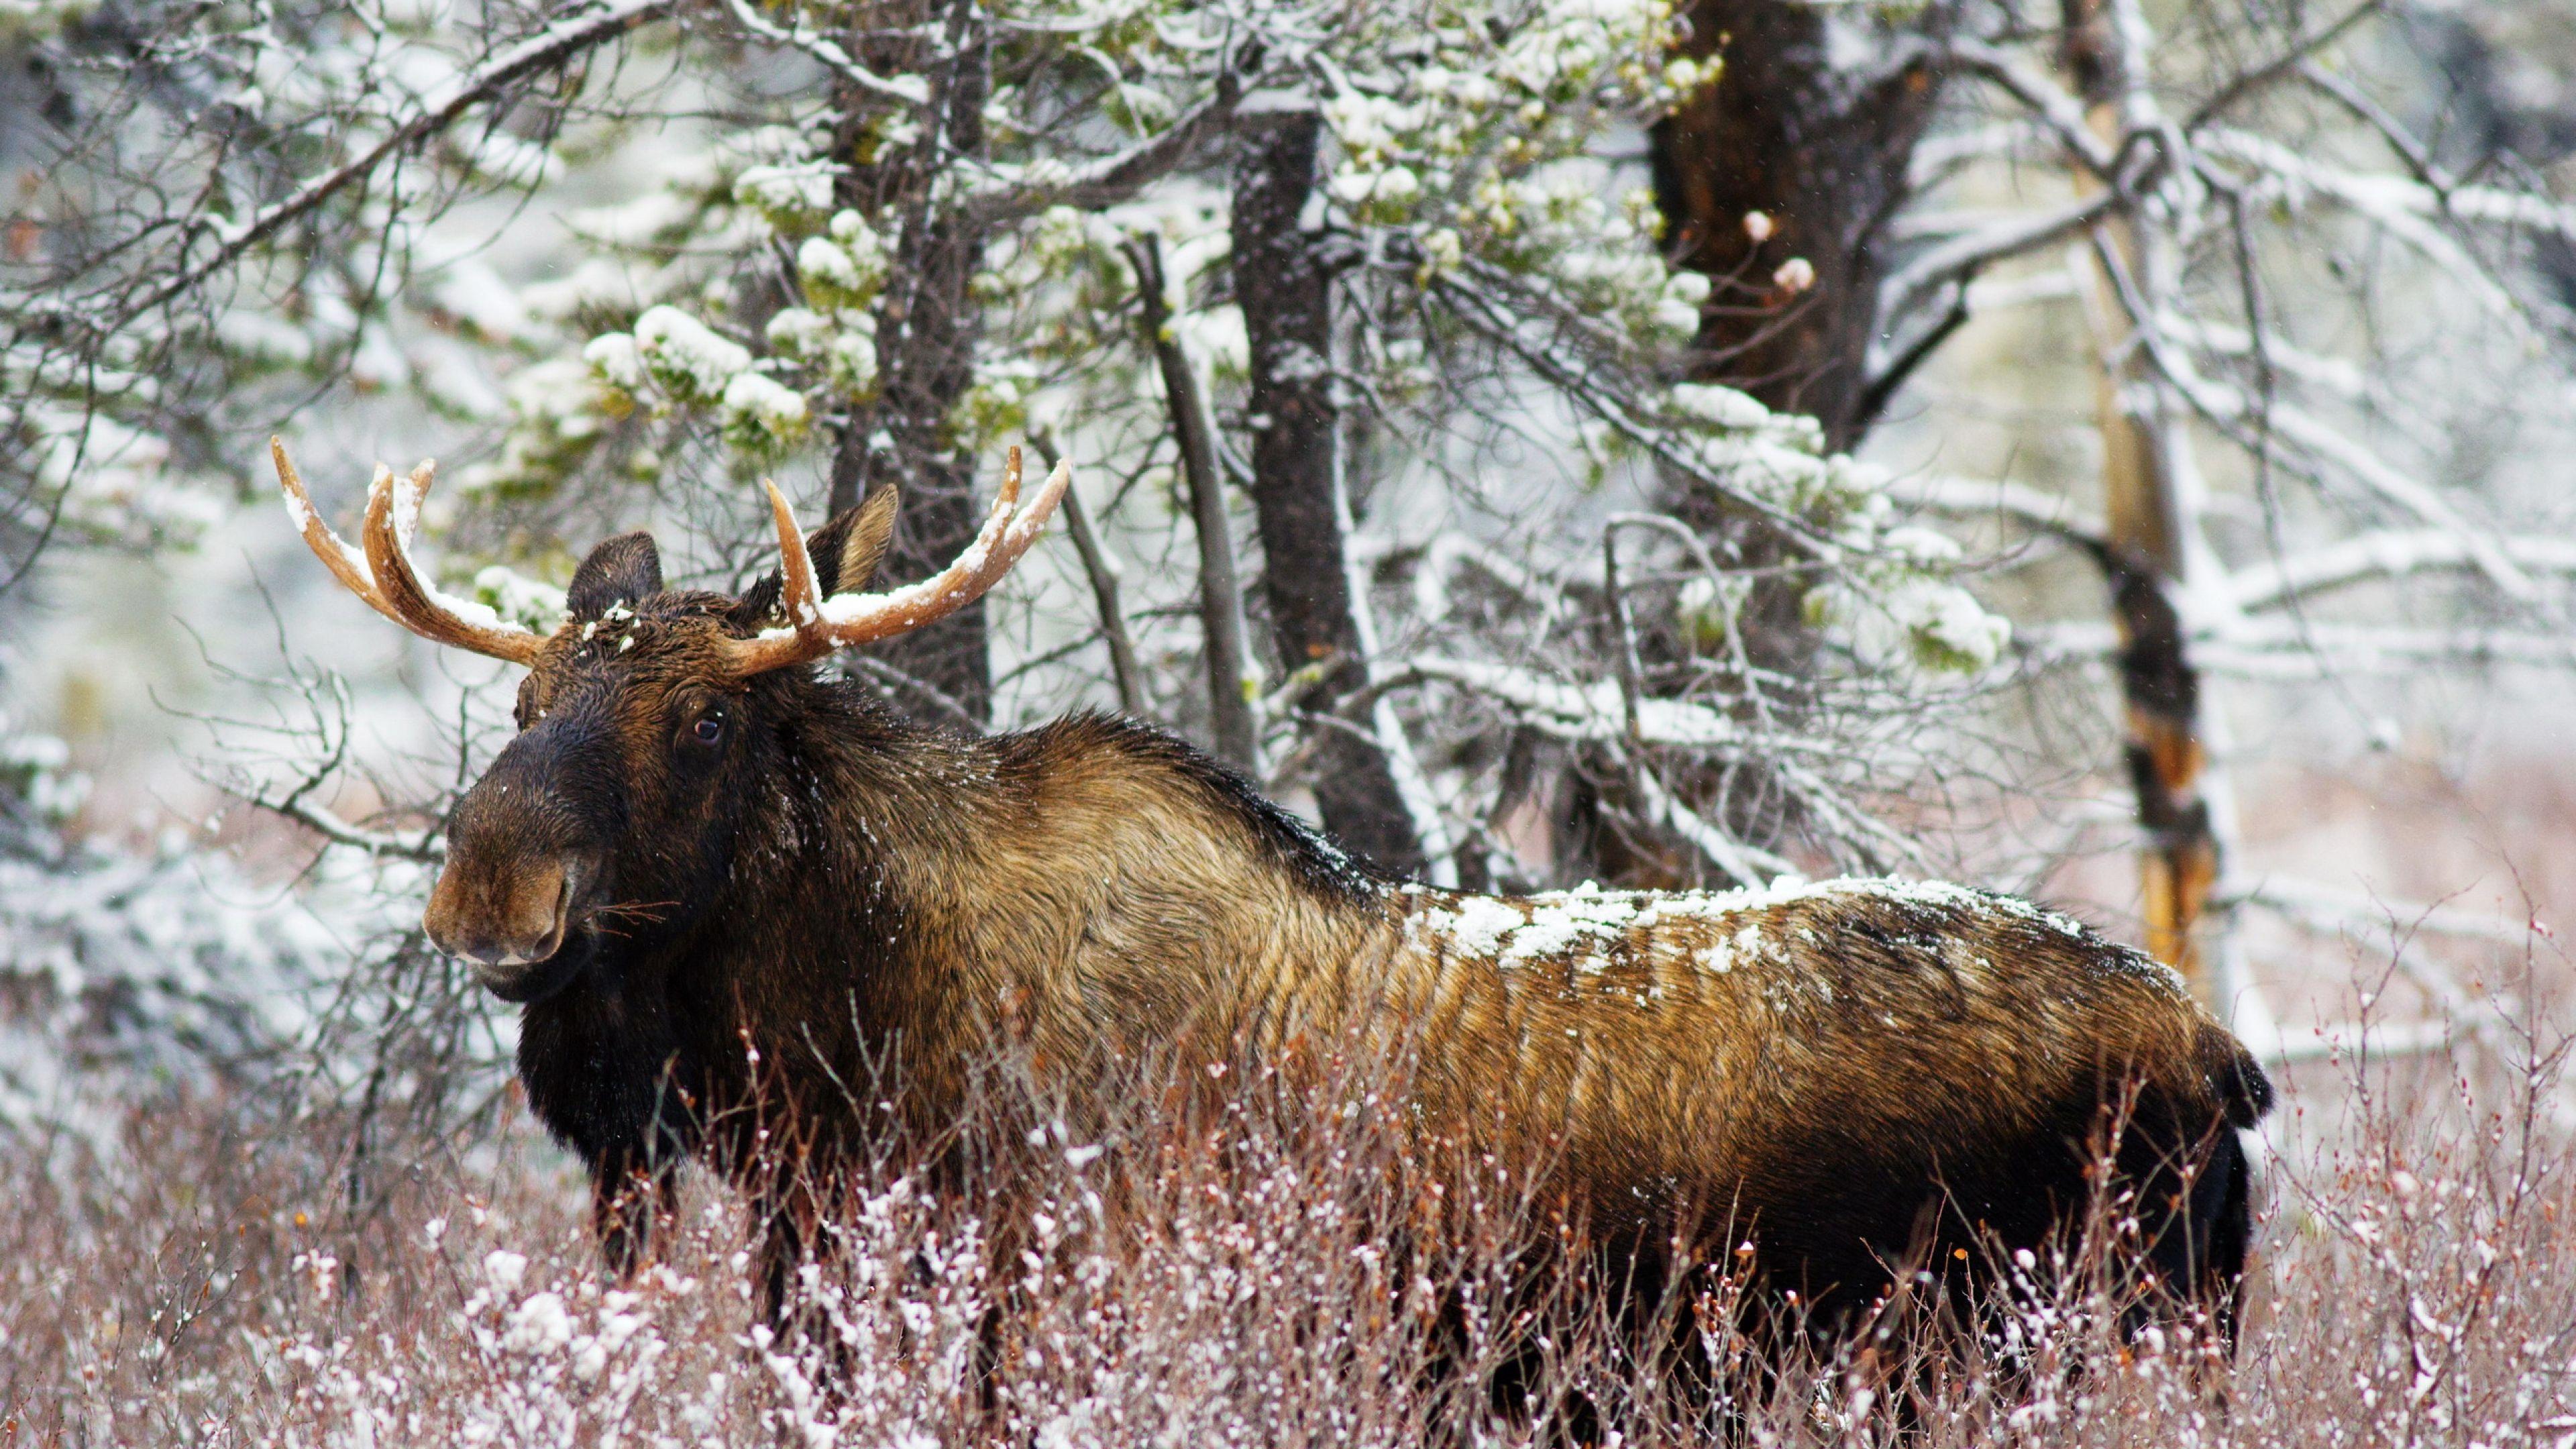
{"x": 2151, "y": 493}
{"x": 1283, "y": 282}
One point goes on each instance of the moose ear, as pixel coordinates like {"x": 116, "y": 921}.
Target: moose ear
{"x": 626, "y": 570}
{"x": 847, "y": 550}
{"x": 845, "y": 553}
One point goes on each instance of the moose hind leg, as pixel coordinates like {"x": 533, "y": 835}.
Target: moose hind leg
{"x": 2194, "y": 1202}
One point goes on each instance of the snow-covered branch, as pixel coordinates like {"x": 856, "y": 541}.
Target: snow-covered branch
{"x": 1970, "y": 498}
{"x": 550, "y": 48}
{"x": 2340, "y": 909}
{"x": 1111, "y": 179}
{"x": 2223, "y": 403}
{"x": 2381, "y": 196}
{"x": 907, "y": 90}
{"x": 2291, "y": 649}
{"x": 427, "y": 846}
{"x": 1597, "y": 712}
{"x": 1963, "y": 257}
{"x": 2060, "y": 112}
{"x": 2389, "y": 554}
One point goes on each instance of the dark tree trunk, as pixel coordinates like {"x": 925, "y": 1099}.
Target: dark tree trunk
{"x": 927, "y": 328}
{"x": 1822, "y": 150}
{"x": 1820, "y": 146}
{"x": 1284, "y": 285}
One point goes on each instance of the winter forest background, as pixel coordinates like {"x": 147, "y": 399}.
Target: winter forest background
{"x": 2114, "y": 450}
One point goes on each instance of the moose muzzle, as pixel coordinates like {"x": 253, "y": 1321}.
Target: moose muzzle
{"x": 520, "y": 880}
{"x": 509, "y": 925}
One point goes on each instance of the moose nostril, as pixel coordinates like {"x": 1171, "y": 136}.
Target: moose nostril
{"x": 505, "y": 914}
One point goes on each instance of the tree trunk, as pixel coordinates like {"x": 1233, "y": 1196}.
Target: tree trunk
{"x": 2151, "y": 525}
{"x": 1284, "y": 285}
{"x": 1232, "y": 728}
{"x": 1820, "y": 149}
{"x": 927, "y": 328}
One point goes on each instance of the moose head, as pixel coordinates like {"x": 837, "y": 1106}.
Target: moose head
{"x": 645, "y": 719}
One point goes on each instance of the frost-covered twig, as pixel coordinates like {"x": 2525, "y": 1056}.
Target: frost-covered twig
{"x": 546, "y": 50}
{"x": 2388, "y": 554}
{"x": 906, "y": 90}
{"x": 1110, "y": 179}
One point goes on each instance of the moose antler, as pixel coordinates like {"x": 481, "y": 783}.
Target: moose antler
{"x": 816, "y": 626}
{"x": 382, "y": 573}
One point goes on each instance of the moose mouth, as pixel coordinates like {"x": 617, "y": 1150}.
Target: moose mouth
{"x": 565, "y": 949}
{"x": 537, "y": 981}
{"x": 544, "y": 960}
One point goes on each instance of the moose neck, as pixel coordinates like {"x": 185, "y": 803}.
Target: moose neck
{"x": 927, "y": 891}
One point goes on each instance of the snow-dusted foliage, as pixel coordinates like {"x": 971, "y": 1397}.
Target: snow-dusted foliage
{"x": 1159, "y": 1287}
{"x": 125, "y": 975}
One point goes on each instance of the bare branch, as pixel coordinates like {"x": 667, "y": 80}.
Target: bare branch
{"x": 1238, "y": 739}
{"x": 1103, "y": 571}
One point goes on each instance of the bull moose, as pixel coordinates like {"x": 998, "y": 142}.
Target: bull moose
{"x": 698, "y": 853}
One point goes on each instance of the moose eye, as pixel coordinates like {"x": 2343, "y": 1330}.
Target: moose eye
{"x": 708, "y": 730}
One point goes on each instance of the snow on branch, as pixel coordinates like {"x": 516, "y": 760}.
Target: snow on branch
{"x": 2379, "y": 195}
{"x": 426, "y": 847}
{"x": 2287, "y": 649}
{"x": 908, "y": 90}
{"x": 1964, "y": 256}
{"x": 2392, "y": 553}
{"x": 548, "y": 49}
{"x": 1111, "y": 179}
{"x": 2334, "y": 909}
{"x": 1604, "y": 398}
{"x": 1598, "y": 712}
{"x": 1748, "y": 864}
{"x": 2059, "y": 110}
{"x": 2227, "y": 407}
{"x": 1971, "y": 498}
{"x": 2409, "y": 211}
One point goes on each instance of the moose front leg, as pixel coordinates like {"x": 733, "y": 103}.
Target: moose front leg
{"x": 634, "y": 1200}
{"x": 795, "y": 1267}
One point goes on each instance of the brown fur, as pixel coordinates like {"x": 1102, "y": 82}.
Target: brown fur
{"x": 830, "y": 893}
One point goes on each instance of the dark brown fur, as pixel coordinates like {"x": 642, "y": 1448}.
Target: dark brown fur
{"x": 827, "y": 896}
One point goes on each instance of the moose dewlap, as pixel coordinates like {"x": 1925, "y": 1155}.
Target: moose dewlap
{"x": 698, "y": 855}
